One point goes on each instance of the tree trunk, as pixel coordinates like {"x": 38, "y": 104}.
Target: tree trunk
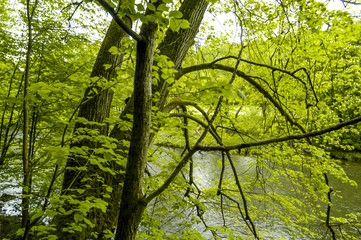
{"x": 26, "y": 191}
{"x": 131, "y": 208}
{"x": 175, "y": 46}
{"x": 95, "y": 108}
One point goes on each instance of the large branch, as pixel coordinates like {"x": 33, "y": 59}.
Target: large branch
{"x": 248, "y": 79}
{"x": 292, "y": 74}
{"x": 119, "y": 21}
{"x": 281, "y": 139}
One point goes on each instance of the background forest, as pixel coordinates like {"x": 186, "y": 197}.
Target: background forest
{"x": 193, "y": 119}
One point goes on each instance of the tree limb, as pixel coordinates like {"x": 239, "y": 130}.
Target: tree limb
{"x": 329, "y": 204}
{"x": 185, "y": 115}
{"x": 292, "y": 74}
{"x": 281, "y": 139}
{"x": 119, "y": 21}
{"x": 248, "y": 79}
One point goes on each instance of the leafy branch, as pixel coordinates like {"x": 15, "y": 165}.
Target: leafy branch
{"x": 246, "y": 77}
{"x": 281, "y": 139}
{"x": 274, "y": 69}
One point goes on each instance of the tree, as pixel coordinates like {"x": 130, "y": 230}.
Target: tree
{"x": 281, "y": 92}
{"x": 45, "y": 87}
{"x": 184, "y": 37}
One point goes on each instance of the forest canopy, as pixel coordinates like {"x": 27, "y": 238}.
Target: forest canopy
{"x": 192, "y": 119}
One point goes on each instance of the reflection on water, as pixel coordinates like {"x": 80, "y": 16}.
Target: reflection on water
{"x": 350, "y": 200}
{"x": 177, "y": 216}
{"x": 207, "y": 173}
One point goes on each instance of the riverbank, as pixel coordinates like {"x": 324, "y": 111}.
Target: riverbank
{"x": 344, "y": 155}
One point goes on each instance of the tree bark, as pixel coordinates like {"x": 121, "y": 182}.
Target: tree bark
{"x": 131, "y": 208}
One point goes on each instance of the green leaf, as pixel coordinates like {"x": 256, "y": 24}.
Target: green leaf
{"x": 80, "y": 191}
{"x": 107, "y": 66}
{"x": 109, "y": 189}
{"x": 176, "y": 24}
{"x": 108, "y": 156}
{"x": 162, "y": 7}
{"x": 38, "y": 214}
{"x": 151, "y": 7}
{"x": 78, "y": 217}
{"x": 113, "y": 50}
{"x": 175, "y": 14}
{"x": 20, "y": 232}
{"x": 184, "y": 24}
{"x": 140, "y": 7}
{"x": 87, "y": 221}
{"x": 44, "y": 93}
{"x": 241, "y": 94}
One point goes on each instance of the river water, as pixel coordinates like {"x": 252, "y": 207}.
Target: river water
{"x": 207, "y": 172}
{"x": 174, "y": 220}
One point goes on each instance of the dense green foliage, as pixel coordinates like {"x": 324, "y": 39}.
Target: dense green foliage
{"x": 275, "y": 69}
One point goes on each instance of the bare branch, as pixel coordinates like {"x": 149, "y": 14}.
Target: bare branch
{"x": 247, "y": 217}
{"x": 328, "y": 213}
{"x": 351, "y": 2}
{"x": 180, "y": 102}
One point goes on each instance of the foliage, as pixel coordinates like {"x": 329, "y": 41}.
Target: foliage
{"x": 293, "y": 68}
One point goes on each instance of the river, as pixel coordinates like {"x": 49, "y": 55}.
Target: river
{"x": 207, "y": 172}
{"x": 174, "y": 219}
